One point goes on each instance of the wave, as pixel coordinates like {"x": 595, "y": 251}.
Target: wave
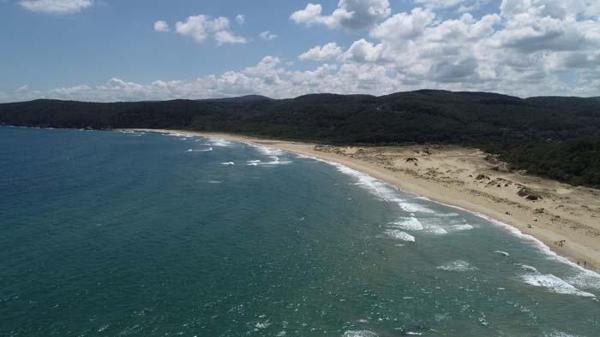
{"x": 382, "y": 190}
{"x": 137, "y": 133}
{"x": 228, "y": 163}
{"x": 409, "y": 224}
{"x": 586, "y": 279}
{"x": 554, "y": 284}
{"x": 200, "y": 150}
{"x": 503, "y": 253}
{"x": 267, "y": 151}
{"x": 528, "y": 268}
{"x": 541, "y": 246}
{"x": 388, "y": 192}
{"x": 461, "y": 228}
{"x": 359, "y": 333}
{"x": 458, "y": 265}
{"x": 415, "y": 208}
{"x": 274, "y": 161}
{"x": 437, "y": 230}
{"x": 219, "y": 142}
{"x": 557, "y": 333}
{"x": 400, "y": 235}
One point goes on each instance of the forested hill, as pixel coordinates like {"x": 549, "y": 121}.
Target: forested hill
{"x": 558, "y": 137}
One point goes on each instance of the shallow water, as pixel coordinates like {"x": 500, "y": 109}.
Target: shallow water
{"x": 133, "y": 234}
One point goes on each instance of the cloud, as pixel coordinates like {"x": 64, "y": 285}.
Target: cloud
{"x": 350, "y": 14}
{"x": 269, "y": 77}
{"x": 161, "y": 26}
{"x": 403, "y": 26}
{"x": 267, "y": 36}
{"x": 437, "y": 4}
{"x": 318, "y": 53}
{"x": 362, "y": 51}
{"x": 524, "y": 48}
{"x": 201, "y": 27}
{"x": 57, "y": 7}
{"x": 240, "y": 19}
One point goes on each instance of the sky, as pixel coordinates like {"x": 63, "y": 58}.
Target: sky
{"x": 125, "y": 50}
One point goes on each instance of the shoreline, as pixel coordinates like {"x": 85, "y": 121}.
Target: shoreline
{"x": 569, "y": 235}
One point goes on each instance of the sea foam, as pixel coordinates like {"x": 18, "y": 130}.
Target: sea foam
{"x": 219, "y": 142}
{"x": 209, "y": 149}
{"x": 400, "y": 235}
{"x": 359, "y": 333}
{"x": 554, "y": 284}
{"x": 458, "y": 265}
{"x": 409, "y": 224}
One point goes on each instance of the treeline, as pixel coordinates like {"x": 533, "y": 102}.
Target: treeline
{"x": 556, "y": 137}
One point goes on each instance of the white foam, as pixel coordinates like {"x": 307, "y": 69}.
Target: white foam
{"x": 503, "y": 253}
{"x": 200, "y": 150}
{"x": 461, "y": 228}
{"x": 262, "y": 325}
{"x": 409, "y": 224}
{"x": 528, "y": 268}
{"x": 531, "y": 239}
{"x": 267, "y": 151}
{"x": 458, "y": 265}
{"x": 399, "y": 235}
{"x": 557, "y": 333}
{"x": 378, "y": 188}
{"x": 437, "y": 230}
{"x": 359, "y": 333}
{"x": 554, "y": 284}
{"x": 219, "y": 142}
{"x": 274, "y": 161}
{"x": 446, "y": 215}
{"x": 415, "y": 208}
{"x": 228, "y": 163}
{"x": 586, "y": 279}
{"x": 387, "y": 193}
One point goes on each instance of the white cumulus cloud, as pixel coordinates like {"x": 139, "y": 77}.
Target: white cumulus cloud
{"x": 200, "y": 27}
{"x": 519, "y": 47}
{"x": 322, "y": 53}
{"x": 240, "y": 19}
{"x": 267, "y": 36}
{"x": 56, "y": 6}
{"x": 351, "y": 14}
{"x": 161, "y": 26}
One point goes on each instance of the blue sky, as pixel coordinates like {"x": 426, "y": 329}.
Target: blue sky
{"x": 112, "y": 49}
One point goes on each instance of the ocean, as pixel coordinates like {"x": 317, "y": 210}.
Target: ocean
{"x": 146, "y": 234}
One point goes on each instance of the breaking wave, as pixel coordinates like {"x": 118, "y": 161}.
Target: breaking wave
{"x": 458, "y": 265}
{"x": 400, "y": 235}
{"x": 554, "y": 284}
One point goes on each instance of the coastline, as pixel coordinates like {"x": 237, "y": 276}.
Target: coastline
{"x": 566, "y": 221}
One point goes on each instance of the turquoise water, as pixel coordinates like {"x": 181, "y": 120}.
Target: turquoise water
{"x": 133, "y": 234}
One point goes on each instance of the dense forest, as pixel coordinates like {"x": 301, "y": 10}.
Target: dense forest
{"x": 556, "y": 137}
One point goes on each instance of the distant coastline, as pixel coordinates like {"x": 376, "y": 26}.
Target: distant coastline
{"x": 565, "y": 218}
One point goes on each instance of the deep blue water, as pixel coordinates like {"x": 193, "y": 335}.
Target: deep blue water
{"x": 133, "y": 234}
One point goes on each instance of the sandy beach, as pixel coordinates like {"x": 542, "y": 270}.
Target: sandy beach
{"x": 564, "y": 217}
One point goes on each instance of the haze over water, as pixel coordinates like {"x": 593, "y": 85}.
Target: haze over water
{"x": 133, "y": 234}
